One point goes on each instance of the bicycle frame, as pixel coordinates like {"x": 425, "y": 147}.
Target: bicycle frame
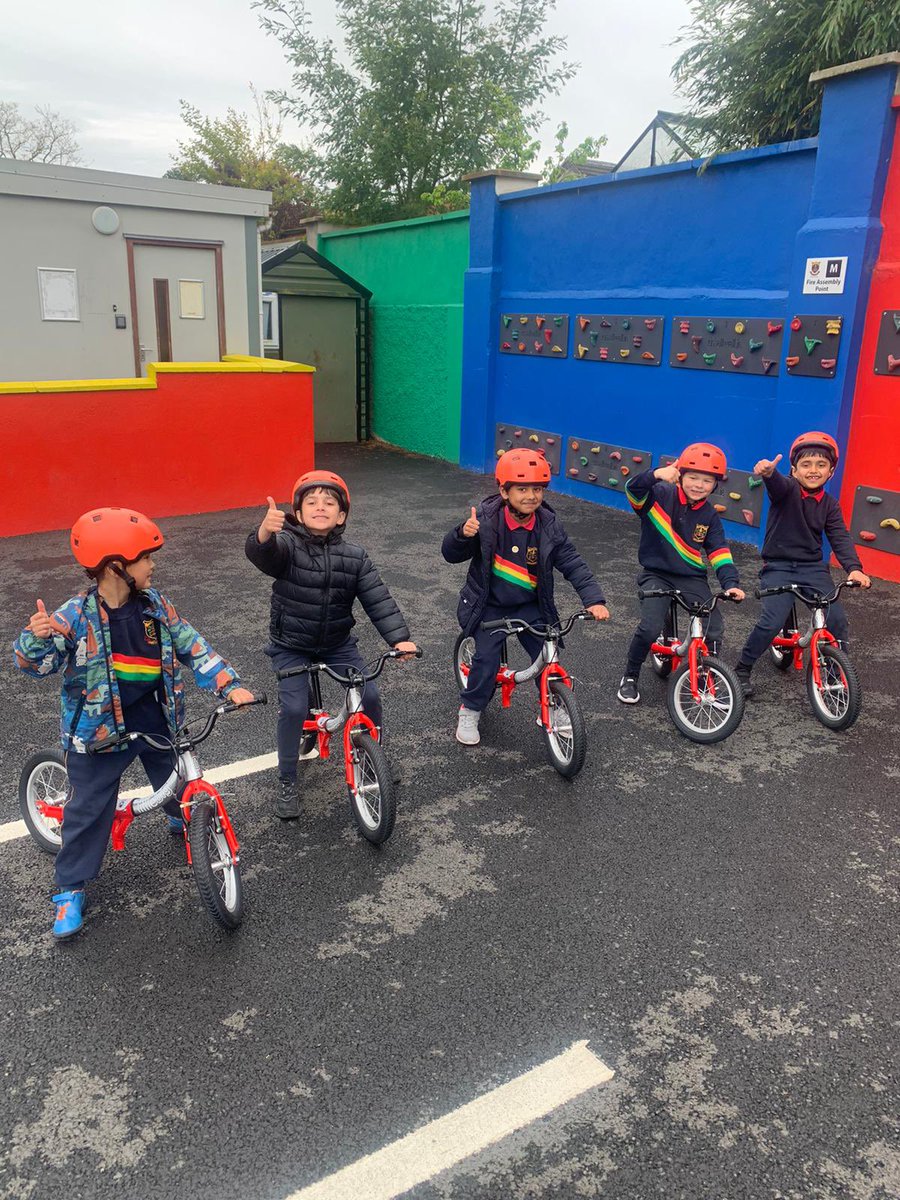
{"x": 350, "y": 716}
{"x": 547, "y": 665}
{"x": 692, "y": 647}
{"x": 798, "y": 642}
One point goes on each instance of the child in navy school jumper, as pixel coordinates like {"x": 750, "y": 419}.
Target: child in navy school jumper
{"x": 800, "y": 513}
{"x": 677, "y": 522}
{"x": 514, "y": 542}
{"x": 119, "y": 645}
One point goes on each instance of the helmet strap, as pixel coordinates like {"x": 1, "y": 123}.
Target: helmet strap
{"x": 123, "y": 574}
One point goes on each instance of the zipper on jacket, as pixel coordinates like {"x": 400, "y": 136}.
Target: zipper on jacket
{"x": 323, "y": 620}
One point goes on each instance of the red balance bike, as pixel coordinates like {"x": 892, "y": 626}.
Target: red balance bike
{"x": 211, "y": 844}
{"x": 831, "y": 680}
{"x": 561, "y": 719}
{"x": 370, "y": 782}
{"x": 704, "y": 699}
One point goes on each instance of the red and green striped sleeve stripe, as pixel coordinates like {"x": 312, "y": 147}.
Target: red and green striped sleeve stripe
{"x": 662, "y": 523}
{"x": 513, "y": 573}
{"x": 135, "y": 670}
{"x": 721, "y": 558}
{"x": 636, "y": 504}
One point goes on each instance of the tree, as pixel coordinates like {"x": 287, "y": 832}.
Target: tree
{"x": 430, "y": 90}
{"x": 240, "y": 151}
{"x": 48, "y": 138}
{"x": 747, "y": 64}
{"x": 558, "y": 167}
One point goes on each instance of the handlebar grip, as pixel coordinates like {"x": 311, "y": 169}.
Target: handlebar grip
{"x": 292, "y": 671}
{"x": 488, "y": 626}
{"x": 119, "y": 740}
{"x": 652, "y": 593}
{"x": 851, "y": 583}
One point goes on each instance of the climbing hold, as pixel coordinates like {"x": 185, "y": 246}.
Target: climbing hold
{"x": 518, "y": 433}
{"x": 737, "y": 360}
{"x": 592, "y": 478}
{"x": 748, "y": 515}
{"x": 538, "y": 347}
{"x": 508, "y": 444}
{"x": 866, "y": 536}
{"x": 507, "y": 321}
{"x": 739, "y": 327}
{"x": 624, "y": 353}
{"x": 625, "y": 470}
{"x": 774, "y": 327}
{"x": 811, "y": 343}
{"x": 523, "y": 320}
{"x": 682, "y": 357}
{"x": 720, "y": 508}
{"x": 650, "y": 323}
{"x": 533, "y": 437}
{"x": 573, "y": 470}
{"x": 796, "y": 324}
{"x": 604, "y": 353}
{"x": 615, "y": 455}
{"x": 581, "y": 351}
{"x": 648, "y": 357}
{"x": 626, "y": 324}
{"x": 521, "y": 346}
{"x": 584, "y": 461}
{"x": 684, "y": 327}
{"x": 696, "y": 339}
{"x": 557, "y": 321}
{"x": 548, "y": 336}
{"x": 604, "y": 324}
{"x": 768, "y": 364}
{"x": 551, "y": 441}
{"x": 594, "y": 336}
{"x": 792, "y": 361}
{"x": 500, "y": 453}
{"x": 753, "y": 482}
{"x": 754, "y": 345}
{"x": 575, "y": 445}
{"x": 540, "y": 322}
{"x": 893, "y": 362}
{"x": 637, "y": 458}
{"x": 613, "y": 481}
{"x": 734, "y": 495}
{"x": 709, "y": 359}
{"x": 889, "y": 523}
{"x": 833, "y": 326}
{"x": 558, "y": 350}
{"x": 506, "y": 345}
{"x": 828, "y": 363}
{"x": 710, "y": 326}
{"x": 874, "y": 499}
{"x": 595, "y": 449}
{"x": 584, "y": 322}
{"x": 501, "y": 429}
{"x": 636, "y": 340}
{"x": 896, "y": 322}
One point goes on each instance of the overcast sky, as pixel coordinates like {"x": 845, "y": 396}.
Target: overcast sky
{"x": 119, "y": 69}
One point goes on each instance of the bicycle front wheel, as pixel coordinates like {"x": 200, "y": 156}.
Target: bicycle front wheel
{"x": 216, "y": 872}
{"x": 837, "y": 699}
{"x": 372, "y": 799}
{"x": 43, "y": 783}
{"x": 462, "y": 660}
{"x": 566, "y": 739}
{"x": 718, "y": 708}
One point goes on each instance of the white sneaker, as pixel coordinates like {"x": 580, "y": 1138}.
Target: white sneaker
{"x": 467, "y": 727}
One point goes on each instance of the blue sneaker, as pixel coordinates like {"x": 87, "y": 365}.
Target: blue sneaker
{"x": 69, "y": 913}
{"x": 176, "y": 824}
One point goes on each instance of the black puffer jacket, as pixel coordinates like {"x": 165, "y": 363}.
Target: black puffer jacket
{"x": 316, "y": 582}
{"x": 554, "y": 550}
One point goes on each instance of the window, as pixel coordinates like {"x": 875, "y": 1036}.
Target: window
{"x": 270, "y": 330}
{"x": 58, "y": 287}
{"x": 190, "y": 295}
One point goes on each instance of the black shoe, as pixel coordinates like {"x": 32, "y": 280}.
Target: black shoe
{"x": 628, "y": 690}
{"x": 743, "y": 673}
{"x": 287, "y": 802}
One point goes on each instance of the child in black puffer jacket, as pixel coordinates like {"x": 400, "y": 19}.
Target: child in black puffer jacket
{"x": 317, "y": 577}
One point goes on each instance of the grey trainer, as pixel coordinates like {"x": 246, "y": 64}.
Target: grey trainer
{"x": 467, "y": 727}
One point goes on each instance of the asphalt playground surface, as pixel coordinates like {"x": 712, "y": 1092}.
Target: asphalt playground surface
{"x": 720, "y": 924}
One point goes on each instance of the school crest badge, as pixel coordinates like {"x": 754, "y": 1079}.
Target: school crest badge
{"x": 150, "y": 636}
{"x": 700, "y": 532}
{"x": 531, "y": 556}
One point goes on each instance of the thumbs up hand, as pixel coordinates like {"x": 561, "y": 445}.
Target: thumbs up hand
{"x": 272, "y": 522}
{"x": 471, "y": 527}
{"x": 40, "y": 624}
{"x": 766, "y": 467}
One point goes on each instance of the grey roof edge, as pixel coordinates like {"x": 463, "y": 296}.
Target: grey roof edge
{"x": 892, "y": 58}
{"x": 301, "y": 248}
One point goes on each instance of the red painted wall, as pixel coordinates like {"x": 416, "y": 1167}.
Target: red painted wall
{"x": 873, "y": 447}
{"x": 197, "y": 442}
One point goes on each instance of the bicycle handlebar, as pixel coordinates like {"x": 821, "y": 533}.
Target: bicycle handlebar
{"x": 354, "y": 675}
{"x": 814, "y": 599}
{"x": 158, "y": 744}
{"x": 699, "y": 607}
{"x": 517, "y": 625}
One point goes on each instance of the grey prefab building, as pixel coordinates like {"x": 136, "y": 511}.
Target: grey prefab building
{"x": 103, "y": 273}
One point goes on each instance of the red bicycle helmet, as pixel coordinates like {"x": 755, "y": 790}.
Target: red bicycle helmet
{"x": 327, "y": 479}
{"x": 703, "y": 456}
{"x": 817, "y": 440}
{"x": 523, "y": 467}
{"x": 109, "y": 533}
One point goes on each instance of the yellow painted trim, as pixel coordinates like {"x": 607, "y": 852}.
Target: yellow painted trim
{"x": 232, "y": 364}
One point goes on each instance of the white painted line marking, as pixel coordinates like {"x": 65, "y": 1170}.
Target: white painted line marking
{"x": 468, "y": 1130}
{"x": 245, "y": 766}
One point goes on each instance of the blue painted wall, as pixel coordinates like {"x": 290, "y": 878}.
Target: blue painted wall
{"x": 731, "y": 240}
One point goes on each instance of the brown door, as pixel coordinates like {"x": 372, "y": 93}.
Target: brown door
{"x": 163, "y": 320}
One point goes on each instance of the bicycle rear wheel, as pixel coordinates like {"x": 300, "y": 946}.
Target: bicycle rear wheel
{"x": 372, "y": 799}
{"x": 462, "y": 659}
{"x": 44, "y": 781}
{"x": 566, "y": 739}
{"x": 838, "y": 698}
{"x": 717, "y": 711}
{"x": 216, "y": 872}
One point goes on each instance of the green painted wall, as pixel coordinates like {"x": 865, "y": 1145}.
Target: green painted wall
{"x": 415, "y": 272}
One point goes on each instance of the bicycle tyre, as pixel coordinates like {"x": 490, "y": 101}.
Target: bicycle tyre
{"x": 43, "y": 777}
{"x": 709, "y": 722}
{"x": 462, "y": 656}
{"x": 839, "y": 706}
{"x": 566, "y": 743}
{"x": 372, "y": 799}
{"x": 217, "y": 876}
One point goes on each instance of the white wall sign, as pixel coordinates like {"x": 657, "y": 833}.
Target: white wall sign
{"x": 58, "y": 289}
{"x": 190, "y": 293}
{"x": 825, "y": 276}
